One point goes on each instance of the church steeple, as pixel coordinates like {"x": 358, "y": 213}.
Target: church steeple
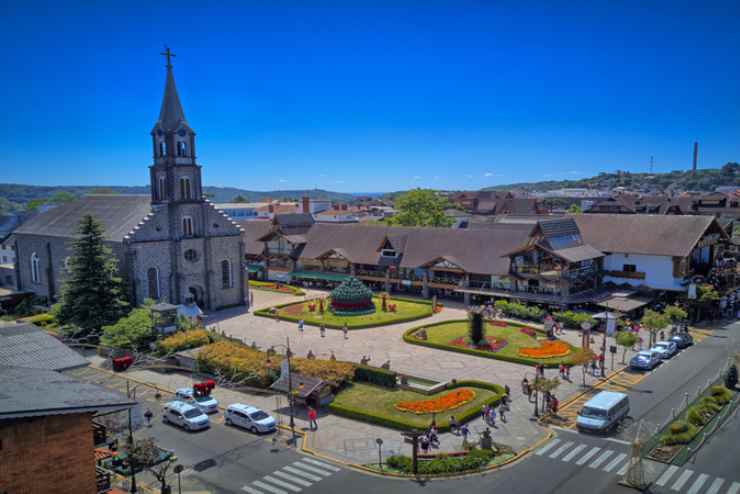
{"x": 175, "y": 175}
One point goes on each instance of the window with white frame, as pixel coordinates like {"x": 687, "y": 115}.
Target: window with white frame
{"x": 227, "y": 280}
{"x": 187, "y": 226}
{"x": 35, "y": 269}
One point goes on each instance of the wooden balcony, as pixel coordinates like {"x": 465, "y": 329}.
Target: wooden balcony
{"x": 632, "y": 275}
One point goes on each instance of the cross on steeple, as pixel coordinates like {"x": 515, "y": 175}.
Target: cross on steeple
{"x": 167, "y": 53}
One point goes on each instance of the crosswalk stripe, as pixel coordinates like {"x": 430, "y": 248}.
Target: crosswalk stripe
{"x": 282, "y": 483}
{"x": 322, "y": 464}
{"x": 547, "y": 447}
{"x": 303, "y": 474}
{"x": 734, "y": 488}
{"x": 583, "y": 459}
{"x": 624, "y": 468}
{"x": 616, "y": 461}
{"x": 685, "y": 476}
{"x": 573, "y": 453}
{"x": 269, "y": 488}
{"x": 714, "y": 488}
{"x": 248, "y": 489}
{"x": 601, "y": 459}
{"x": 292, "y": 478}
{"x": 666, "y": 475}
{"x": 561, "y": 449}
{"x": 698, "y": 483}
{"x": 303, "y": 466}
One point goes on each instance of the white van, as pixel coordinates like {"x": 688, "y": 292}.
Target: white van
{"x": 250, "y": 418}
{"x": 603, "y": 412}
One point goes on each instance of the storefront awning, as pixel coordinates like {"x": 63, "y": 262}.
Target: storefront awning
{"x": 319, "y": 276}
{"x": 255, "y": 268}
{"x": 623, "y": 304}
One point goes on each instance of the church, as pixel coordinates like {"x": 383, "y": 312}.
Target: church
{"x": 171, "y": 246}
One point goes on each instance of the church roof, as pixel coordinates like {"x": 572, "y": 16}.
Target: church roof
{"x": 171, "y": 114}
{"x": 119, "y": 214}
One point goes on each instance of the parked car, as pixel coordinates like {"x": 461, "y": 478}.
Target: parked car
{"x": 682, "y": 340}
{"x": 645, "y": 360}
{"x": 603, "y": 412}
{"x": 184, "y": 415}
{"x": 207, "y": 403}
{"x": 248, "y": 417}
{"x": 666, "y": 349}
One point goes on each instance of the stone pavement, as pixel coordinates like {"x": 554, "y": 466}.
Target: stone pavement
{"x": 354, "y": 441}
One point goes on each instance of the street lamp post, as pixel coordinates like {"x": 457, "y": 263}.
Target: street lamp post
{"x": 131, "y": 442}
{"x": 290, "y": 387}
{"x": 379, "y": 442}
{"x": 178, "y": 471}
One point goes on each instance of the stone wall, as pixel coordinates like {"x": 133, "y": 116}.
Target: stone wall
{"x": 51, "y": 454}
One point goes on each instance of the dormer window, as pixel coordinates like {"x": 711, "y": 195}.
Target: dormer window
{"x": 185, "y": 191}
{"x": 388, "y": 253}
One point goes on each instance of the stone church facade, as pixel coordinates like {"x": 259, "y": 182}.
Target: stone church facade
{"x": 171, "y": 246}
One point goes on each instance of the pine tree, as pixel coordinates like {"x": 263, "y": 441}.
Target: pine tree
{"x": 476, "y": 331}
{"x": 92, "y": 297}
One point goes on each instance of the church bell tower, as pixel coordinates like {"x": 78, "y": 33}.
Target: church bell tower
{"x": 175, "y": 176}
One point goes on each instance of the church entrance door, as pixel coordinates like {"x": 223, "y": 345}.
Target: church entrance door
{"x": 196, "y": 293}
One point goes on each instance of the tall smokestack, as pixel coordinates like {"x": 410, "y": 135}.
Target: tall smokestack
{"x": 696, "y": 157}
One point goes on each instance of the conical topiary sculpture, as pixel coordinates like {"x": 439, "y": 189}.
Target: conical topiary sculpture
{"x": 352, "y": 296}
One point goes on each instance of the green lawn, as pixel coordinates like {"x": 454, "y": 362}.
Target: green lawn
{"x": 440, "y": 336}
{"x": 377, "y": 405}
{"x": 406, "y": 310}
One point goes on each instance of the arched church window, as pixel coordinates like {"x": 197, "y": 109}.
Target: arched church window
{"x": 152, "y": 278}
{"x": 161, "y": 148}
{"x": 35, "y": 269}
{"x": 182, "y": 148}
{"x": 187, "y": 226}
{"x": 185, "y": 191}
{"x": 226, "y": 278}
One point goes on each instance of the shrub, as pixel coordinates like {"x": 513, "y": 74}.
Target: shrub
{"x": 376, "y": 375}
{"x": 443, "y": 464}
{"x": 184, "y": 340}
{"x": 521, "y": 311}
{"x": 721, "y": 394}
{"x": 679, "y": 427}
{"x": 41, "y": 320}
{"x": 684, "y": 437}
{"x": 571, "y": 319}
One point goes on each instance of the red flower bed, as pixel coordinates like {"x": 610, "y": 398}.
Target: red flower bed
{"x": 547, "y": 349}
{"x": 501, "y": 324}
{"x": 448, "y": 401}
{"x": 528, "y": 331}
{"x": 492, "y": 344}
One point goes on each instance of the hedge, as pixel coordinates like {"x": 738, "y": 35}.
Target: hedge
{"x": 408, "y": 338}
{"x": 184, "y": 340}
{"x": 393, "y": 423}
{"x": 377, "y": 376}
{"x": 571, "y": 319}
{"x": 444, "y": 464}
{"x": 520, "y": 310}
{"x": 266, "y": 313}
{"x": 41, "y": 320}
{"x": 269, "y": 286}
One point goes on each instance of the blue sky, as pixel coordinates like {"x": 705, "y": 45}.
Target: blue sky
{"x": 370, "y": 96}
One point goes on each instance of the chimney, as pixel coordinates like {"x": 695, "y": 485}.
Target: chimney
{"x": 306, "y": 204}
{"x": 696, "y": 157}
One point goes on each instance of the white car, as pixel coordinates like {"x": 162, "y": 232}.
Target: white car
{"x": 184, "y": 415}
{"x": 248, "y": 417}
{"x": 208, "y": 404}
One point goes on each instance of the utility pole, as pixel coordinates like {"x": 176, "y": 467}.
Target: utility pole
{"x": 131, "y": 442}
{"x": 290, "y": 391}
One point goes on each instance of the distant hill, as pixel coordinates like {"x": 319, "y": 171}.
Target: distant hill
{"x": 19, "y": 195}
{"x": 705, "y": 180}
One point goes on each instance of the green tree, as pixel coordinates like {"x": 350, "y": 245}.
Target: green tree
{"x": 34, "y": 204}
{"x": 675, "y": 314}
{"x": 626, "y": 339}
{"x": 574, "y": 209}
{"x": 239, "y": 199}
{"x": 420, "y": 207}
{"x": 477, "y": 330}
{"x": 131, "y": 331}
{"x": 92, "y": 297}
{"x": 653, "y": 321}
{"x": 61, "y": 197}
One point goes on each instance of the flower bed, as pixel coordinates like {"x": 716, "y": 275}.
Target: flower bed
{"x": 547, "y": 349}
{"x": 528, "y": 331}
{"x": 184, "y": 340}
{"x": 493, "y": 344}
{"x": 271, "y": 286}
{"x": 449, "y": 401}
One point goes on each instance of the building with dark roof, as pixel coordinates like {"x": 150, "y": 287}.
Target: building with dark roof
{"x": 46, "y": 431}
{"x": 26, "y": 345}
{"x": 172, "y": 245}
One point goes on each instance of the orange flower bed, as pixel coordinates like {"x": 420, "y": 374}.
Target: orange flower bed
{"x": 451, "y": 400}
{"x": 547, "y": 349}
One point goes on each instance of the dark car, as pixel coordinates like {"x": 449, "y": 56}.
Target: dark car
{"x": 682, "y": 340}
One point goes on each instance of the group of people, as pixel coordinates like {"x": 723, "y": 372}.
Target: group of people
{"x": 430, "y": 438}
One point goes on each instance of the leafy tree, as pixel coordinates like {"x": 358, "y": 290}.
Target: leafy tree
{"x": 574, "y": 209}
{"x": 92, "y": 297}
{"x": 239, "y": 199}
{"x": 421, "y": 207}
{"x": 477, "y": 330}
{"x": 131, "y": 331}
{"x": 34, "y": 204}
{"x": 626, "y": 339}
{"x": 582, "y": 358}
{"x": 675, "y": 313}
{"x": 61, "y": 197}
{"x": 653, "y": 321}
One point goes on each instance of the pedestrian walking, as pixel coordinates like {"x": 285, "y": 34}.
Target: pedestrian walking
{"x": 148, "y": 416}
{"x": 507, "y": 390}
{"x": 484, "y": 413}
{"x": 503, "y": 409}
{"x": 464, "y": 431}
{"x": 300, "y": 326}
{"x": 424, "y": 443}
{"x": 322, "y": 330}
{"x": 345, "y": 330}
{"x": 554, "y": 404}
{"x": 433, "y": 436}
{"x": 561, "y": 370}
{"x": 594, "y": 366}
{"x": 567, "y": 372}
{"x": 251, "y": 298}
{"x": 312, "y": 423}
{"x": 492, "y": 416}
{"x": 454, "y": 426}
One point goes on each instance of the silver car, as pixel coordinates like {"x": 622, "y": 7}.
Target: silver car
{"x": 645, "y": 360}
{"x": 666, "y": 349}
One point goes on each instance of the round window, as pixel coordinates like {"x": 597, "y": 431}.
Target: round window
{"x": 191, "y": 255}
